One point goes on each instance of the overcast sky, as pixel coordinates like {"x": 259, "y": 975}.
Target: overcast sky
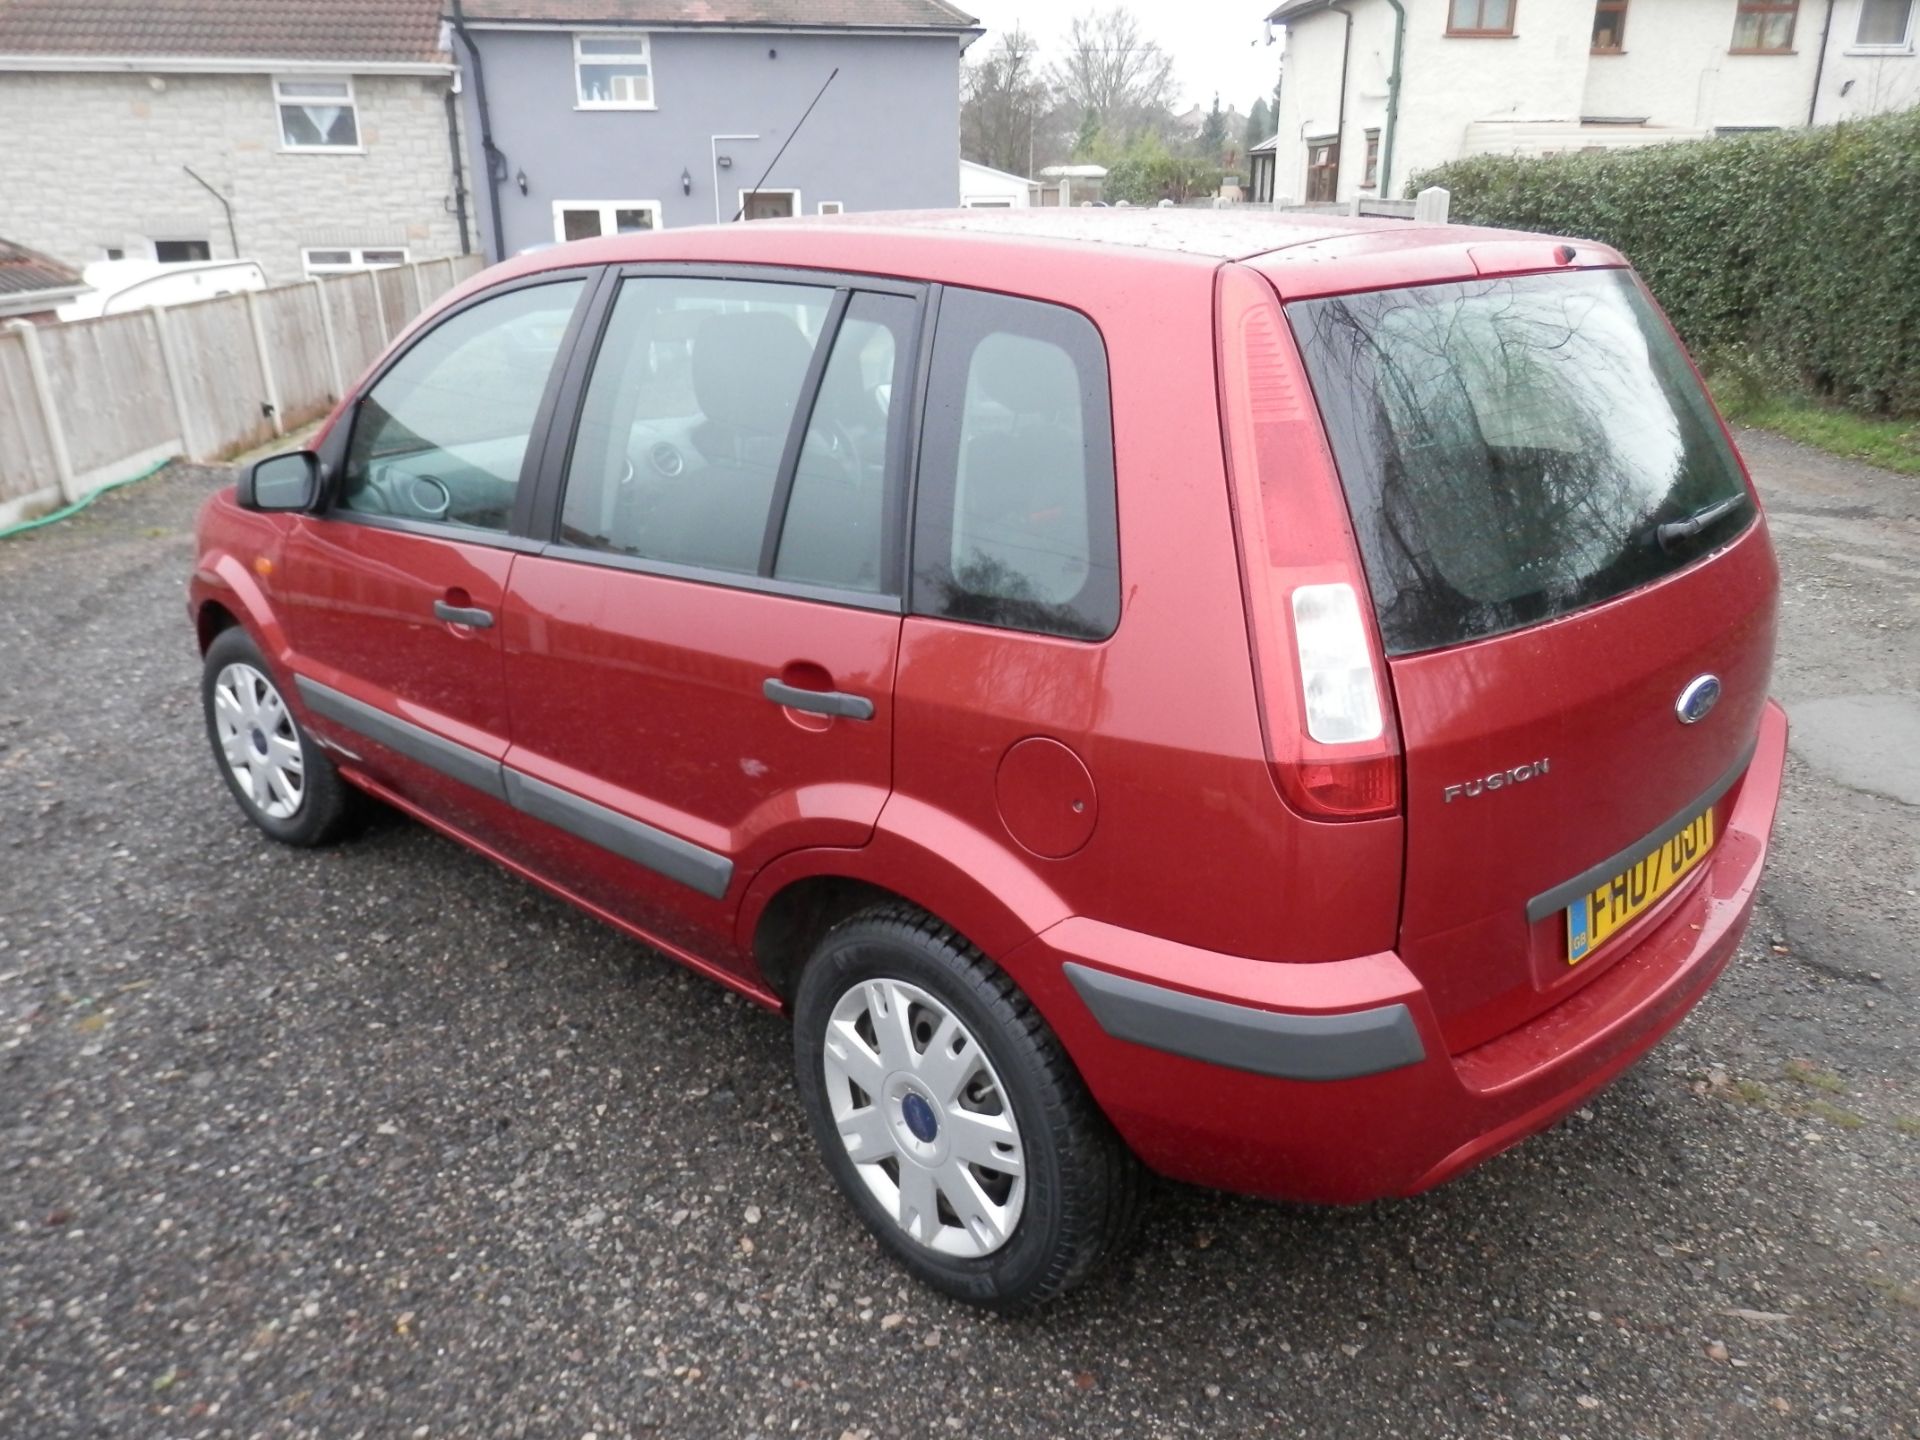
{"x": 1215, "y": 44}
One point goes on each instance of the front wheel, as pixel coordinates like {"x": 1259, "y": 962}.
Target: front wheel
{"x": 950, "y": 1116}
{"x": 282, "y": 780}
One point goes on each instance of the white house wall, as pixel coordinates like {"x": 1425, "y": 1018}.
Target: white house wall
{"x": 1861, "y": 81}
{"x": 1677, "y": 71}
{"x": 1527, "y": 93}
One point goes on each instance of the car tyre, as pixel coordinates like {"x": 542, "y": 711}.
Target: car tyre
{"x": 968, "y": 1059}
{"x": 283, "y": 781}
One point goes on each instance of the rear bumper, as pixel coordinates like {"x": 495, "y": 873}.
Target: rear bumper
{"x": 1332, "y": 1082}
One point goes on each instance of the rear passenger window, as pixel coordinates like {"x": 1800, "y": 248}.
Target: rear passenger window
{"x": 1014, "y": 522}
{"x": 686, "y": 419}
{"x": 682, "y": 453}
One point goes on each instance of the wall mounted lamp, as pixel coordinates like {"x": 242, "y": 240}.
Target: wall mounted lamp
{"x": 686, "y": 182}
{"x": 521, "y": 181}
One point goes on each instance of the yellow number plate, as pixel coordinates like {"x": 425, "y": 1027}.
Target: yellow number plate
{"x": 1599, "y": 913}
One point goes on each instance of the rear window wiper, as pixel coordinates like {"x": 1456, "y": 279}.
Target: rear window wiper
{"x": 1672, "y": 532}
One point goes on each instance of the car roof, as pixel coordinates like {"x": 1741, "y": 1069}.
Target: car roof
{"x": 1302, "y": 253}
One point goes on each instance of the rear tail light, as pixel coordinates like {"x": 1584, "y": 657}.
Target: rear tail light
{"x": 1331, "y": 740}
{"x": 1336, "y": 665}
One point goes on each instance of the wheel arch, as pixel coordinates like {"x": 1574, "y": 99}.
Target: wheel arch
{"x": 918, "y": 855}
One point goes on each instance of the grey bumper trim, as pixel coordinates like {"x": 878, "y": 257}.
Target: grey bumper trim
{"x": 692, "y": 865}
{"x": 451, "y": 759}
{"x": 1594, "y": 876}
{"x": 1265, "y": 1042}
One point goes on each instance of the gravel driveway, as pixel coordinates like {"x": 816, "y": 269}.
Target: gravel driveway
{"x": 379, "y": 1141}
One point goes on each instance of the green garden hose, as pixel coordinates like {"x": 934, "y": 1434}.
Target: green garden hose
{"x": 6, "y": 532}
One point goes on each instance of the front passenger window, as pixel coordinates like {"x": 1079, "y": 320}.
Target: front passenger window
{"x": 442, "y": 435}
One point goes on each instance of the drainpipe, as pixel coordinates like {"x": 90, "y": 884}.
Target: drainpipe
{"x": 233, "y": 235}
{"x": 459, "y": 170}
{"x": 495, "y": 162}
{"x": 1819, "y": 65}
{"x": 1393, "y": 96}
{"x": 1340, "y": 119}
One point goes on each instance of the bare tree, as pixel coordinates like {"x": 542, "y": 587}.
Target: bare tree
{"x": 1003, "y": 98}
{"x": 1113, "y": 72}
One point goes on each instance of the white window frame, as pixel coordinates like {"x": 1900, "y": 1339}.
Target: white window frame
{"x": 606, "y": 209}
{"x": 359, "y": 261}
{"x": 830, "y": 207}
{"x": 1902, "y": 46}
{"x": 740, "y": 205}
{"x": 359, "y": 147}
{"x": 640, "y": 54}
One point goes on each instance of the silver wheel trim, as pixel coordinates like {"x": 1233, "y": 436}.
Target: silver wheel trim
{"x": 887, "y": 1041}
{"x": 258, "y": 739}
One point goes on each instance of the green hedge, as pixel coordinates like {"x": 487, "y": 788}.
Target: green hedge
{"x": 1798, "y": 250}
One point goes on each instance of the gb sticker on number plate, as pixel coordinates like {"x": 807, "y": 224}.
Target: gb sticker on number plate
{"x": 1602, "y": 912}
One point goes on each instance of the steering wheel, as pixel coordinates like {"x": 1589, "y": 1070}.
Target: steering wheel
{"x": 429, "y": 495}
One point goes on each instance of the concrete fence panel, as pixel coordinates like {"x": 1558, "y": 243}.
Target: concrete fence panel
{"x": 290, "y": 320}
{"x": 225, "y": 392}
{"x": 355, "y": 308}
{"x": 112, "y": 380}
{"x": 26, "y": 450}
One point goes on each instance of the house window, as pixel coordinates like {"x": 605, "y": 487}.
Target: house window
{"x": 613, "y": 72}
{"x": 769, "y": 204}
{"x": 1323, "y": 170}
{"x": 1764, "y": 27}
{"x": 586, "y": 219}
{"x": 832, "y": 207}
{"x": 1371, "y": 176}
{"x": 317, "y": 114}
{"x": 1609, "y": 27}
{"x": 1480, "y": 17}
{"x": 1885, "y": 23}
{"x": 181, "y": 252}
{"x": 356, "y": 257}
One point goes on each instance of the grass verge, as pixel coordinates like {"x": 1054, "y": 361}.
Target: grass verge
{"x": 1890, "y": 444}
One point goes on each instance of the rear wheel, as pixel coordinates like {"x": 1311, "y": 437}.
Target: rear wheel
{"x": 951, "y": 1118}
{"x": 282, "y": 780}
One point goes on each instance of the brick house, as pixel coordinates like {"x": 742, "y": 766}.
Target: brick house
{"x": 308, "y": 135}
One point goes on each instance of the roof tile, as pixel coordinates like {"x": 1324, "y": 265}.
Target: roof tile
{"x": 389, "y": 31}
{"x": 878, "y": 14}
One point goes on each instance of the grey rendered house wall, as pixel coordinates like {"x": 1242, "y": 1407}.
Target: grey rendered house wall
{"x": 886, "y": 135}
{"x": 94, "y": 159}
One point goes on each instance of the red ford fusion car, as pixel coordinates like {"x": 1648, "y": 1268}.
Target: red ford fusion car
{"x": 1279, "y": 703}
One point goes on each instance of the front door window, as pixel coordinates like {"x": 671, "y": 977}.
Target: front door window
{"x": 442, "y": 435}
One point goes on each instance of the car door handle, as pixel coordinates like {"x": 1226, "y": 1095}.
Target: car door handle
{"x": 818, "y": 702}
{"x": 463, "y": 615}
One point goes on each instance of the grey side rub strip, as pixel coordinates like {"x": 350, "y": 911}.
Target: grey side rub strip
{"x": 677, "y": 859}
{"x": 692, "y": 865}
{"x": 1565, "y": 893}
{"x": 458, "y": 762}
{"x": 1265, "y": 1042}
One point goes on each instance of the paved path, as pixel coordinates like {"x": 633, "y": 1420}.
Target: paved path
{"x": 378, "y": 1141}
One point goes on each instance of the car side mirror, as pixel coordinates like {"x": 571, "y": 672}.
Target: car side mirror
{"x": 282, "y": 482}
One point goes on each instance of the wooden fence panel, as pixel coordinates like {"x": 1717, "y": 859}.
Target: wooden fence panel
{"x": 398, "y": 302}
{"x": 290, "y": 319}
{"x": 356, "y": 321}
{"x": 110, "y": 382}
{"x": 220, "y": 376}
{"x": 26, "y": 452}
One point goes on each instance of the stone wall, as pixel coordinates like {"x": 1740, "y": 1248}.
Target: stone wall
{"x": 94, "y": 161}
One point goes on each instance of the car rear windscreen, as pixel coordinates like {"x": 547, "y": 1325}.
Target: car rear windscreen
{"x": 1514, "y": 449}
